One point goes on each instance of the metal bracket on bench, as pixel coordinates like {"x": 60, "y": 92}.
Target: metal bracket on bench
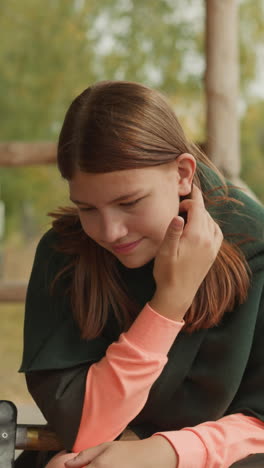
{"x": 22, "y": 436}
{"x": 8, "y": 422}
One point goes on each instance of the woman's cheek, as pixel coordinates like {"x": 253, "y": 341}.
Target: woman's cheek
{"x": 87, "y": 225}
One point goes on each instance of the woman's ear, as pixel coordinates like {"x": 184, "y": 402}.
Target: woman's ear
{"x": 186, "y": 166}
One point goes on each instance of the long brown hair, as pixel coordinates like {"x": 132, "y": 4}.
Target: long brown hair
{"x": 114, "y": 126}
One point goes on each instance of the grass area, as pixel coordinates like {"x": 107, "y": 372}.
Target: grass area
{"x": 12, "y": 383}
{"x": 18, "y": 258}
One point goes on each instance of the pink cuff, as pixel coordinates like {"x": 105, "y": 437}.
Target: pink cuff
{"x": 217, "y": 443}
{"x": 189, "y": 448}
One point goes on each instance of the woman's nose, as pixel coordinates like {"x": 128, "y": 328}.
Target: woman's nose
{"x": 112, "y": 230}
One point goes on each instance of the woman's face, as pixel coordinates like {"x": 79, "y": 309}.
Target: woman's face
{"x": 127, "y": 207}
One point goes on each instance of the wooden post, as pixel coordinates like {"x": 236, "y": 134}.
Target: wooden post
{"x": 14, "y": 291}
{"x": 23, "y": 154}
{"x": 221, "y": 83}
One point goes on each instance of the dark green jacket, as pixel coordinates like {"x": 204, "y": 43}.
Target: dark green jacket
{"x": 209, "y": 374}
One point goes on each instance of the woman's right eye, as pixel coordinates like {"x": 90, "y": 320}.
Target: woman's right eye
{"x": 86, "y": 209}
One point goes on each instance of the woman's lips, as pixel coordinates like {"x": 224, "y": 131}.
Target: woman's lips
{"x": 126, "y": 247}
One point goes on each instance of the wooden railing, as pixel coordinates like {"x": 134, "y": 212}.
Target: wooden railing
{"x": 24, "y": 154}
{"x": 12, "y": 291}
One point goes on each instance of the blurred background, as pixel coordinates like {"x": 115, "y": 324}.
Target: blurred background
{"x": 49, "y": 52}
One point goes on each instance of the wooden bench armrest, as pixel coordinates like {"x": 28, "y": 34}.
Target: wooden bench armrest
{"x": 36, "y": 437}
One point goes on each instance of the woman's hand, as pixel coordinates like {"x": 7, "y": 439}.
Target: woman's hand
{"x": 128, "y": 434}
{"x": 154, "y": 452}
{"x": 185, "y": 257}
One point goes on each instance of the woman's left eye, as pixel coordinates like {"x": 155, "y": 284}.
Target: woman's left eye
{"x": 130, "y": 203}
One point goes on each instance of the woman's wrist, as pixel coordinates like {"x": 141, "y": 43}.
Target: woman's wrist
{"x": 171, "y": 459}
{"x": 164, "y": 304}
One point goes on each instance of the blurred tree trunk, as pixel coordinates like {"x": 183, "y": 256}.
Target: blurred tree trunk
{"x": 221, "y": 83}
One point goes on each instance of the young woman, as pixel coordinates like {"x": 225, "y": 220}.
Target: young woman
{"x": 145, "y": 311}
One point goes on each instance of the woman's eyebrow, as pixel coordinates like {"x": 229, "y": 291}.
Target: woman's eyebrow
{"x": 122, "y": 197}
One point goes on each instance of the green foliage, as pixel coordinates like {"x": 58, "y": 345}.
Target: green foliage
{"x": 13, "y": 386}
{"x": 252, "y": 148}
{"x": 26, "y": 192}
{"x": 43, "y": 48}
{"x": 52, "y": 50}
{"x": 251, "y": 26}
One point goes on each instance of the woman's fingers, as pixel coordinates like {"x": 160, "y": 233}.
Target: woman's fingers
{"x": 147, "y": 453}
{"x": 195, "y": 210}
{"x": 186, "y": 255}
{"x": 218, "y": 236}
{"x": 171, "y": 239}
{"x": 200, "y": 225}
{"x": 128, "y": 434}
{"x": 168, "y": 253}
{"x": 59, "y": 460}
{"x": 86, "y": 456}
{"x": 196, "y": 196}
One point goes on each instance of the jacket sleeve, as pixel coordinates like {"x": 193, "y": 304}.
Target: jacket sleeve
{"x": 249, "y": 399}
{"x": 52, "y": 339}
{"x": 59, "y": 394}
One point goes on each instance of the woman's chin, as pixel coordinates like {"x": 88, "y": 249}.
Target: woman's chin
{"x": 134, "y": 261}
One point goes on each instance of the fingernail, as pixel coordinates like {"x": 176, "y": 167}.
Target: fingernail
{"x": 69, "y": 462}
{"x": 178, "y": 222}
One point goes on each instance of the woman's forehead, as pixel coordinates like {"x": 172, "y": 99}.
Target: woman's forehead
{"x": 110, "y": 186}
{"x": 115, "y": 179}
